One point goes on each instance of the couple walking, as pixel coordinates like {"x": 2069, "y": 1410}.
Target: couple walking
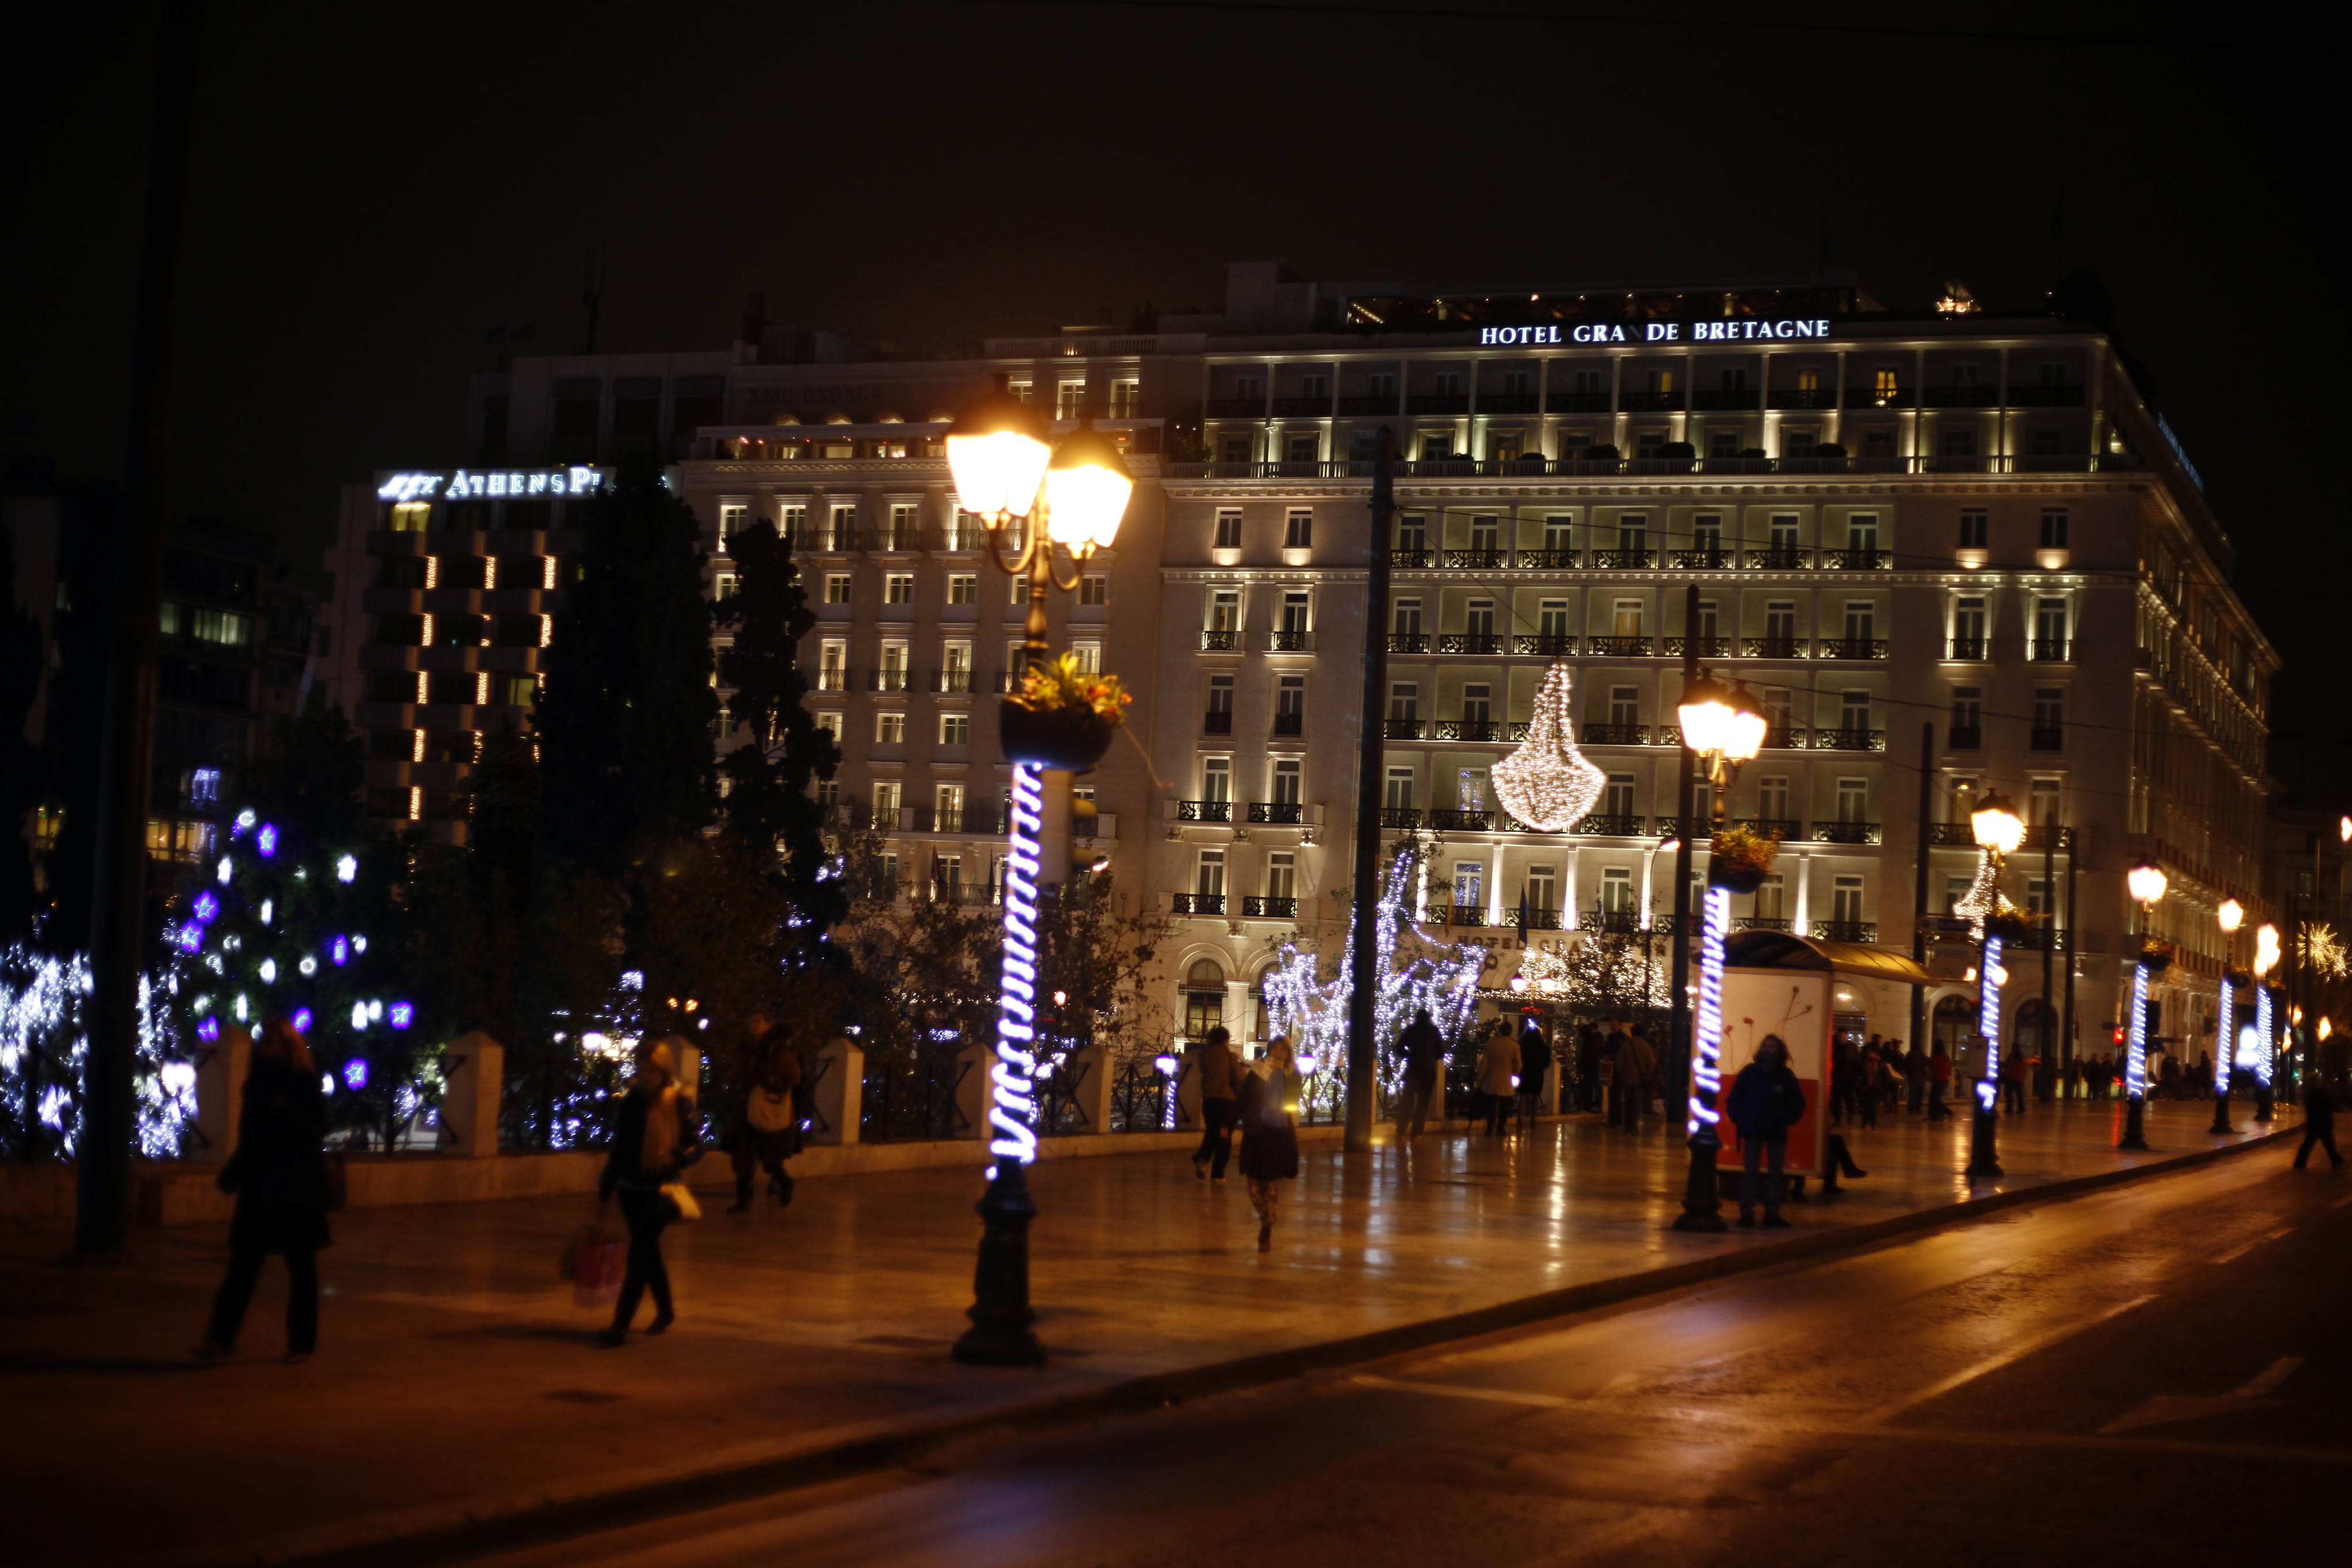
{"x": 1262, "y": 1101}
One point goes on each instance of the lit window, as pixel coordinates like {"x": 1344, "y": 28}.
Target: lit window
{"x": 898, "y": 588}
{"x": 955, "y": 729}
{"x": 964, "y": 588}
{"x": 836, "y": 587}
{"x": 1094, "y": 589}
{"x": 890, "y": 729}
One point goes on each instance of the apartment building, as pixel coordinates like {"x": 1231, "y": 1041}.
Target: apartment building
{"x": 1954, "y": 524}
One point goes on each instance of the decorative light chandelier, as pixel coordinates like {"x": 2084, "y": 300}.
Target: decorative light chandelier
{"x": 1547, "y": 783}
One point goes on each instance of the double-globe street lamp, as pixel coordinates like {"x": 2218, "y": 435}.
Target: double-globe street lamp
{"x": 1723, "y": 727}
{"x": 2266, "y": 961}
{"x": 2148, "y": 883}
{"x": 1998, "y": 830}
{"x": 1073, "y": 493}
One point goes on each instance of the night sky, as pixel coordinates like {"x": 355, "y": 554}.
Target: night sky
{"x": 375, "y": 190}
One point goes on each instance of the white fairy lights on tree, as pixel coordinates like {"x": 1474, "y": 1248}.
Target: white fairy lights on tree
{"x": 1547, "y": 783}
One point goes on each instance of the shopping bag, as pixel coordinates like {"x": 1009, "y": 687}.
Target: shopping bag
{"x": 596, "y": 1268}
{"x": 567, "y": 1263}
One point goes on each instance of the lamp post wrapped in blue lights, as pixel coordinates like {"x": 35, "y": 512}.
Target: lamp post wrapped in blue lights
{"x": 2266, "y": 959}
{"x": 1724, "y": 727}
{"x": 1998, "y": 830}
{"x": 1073, "y": 494}
{"x": 2228, "y": 916}
{"x": 2148, "y": 883}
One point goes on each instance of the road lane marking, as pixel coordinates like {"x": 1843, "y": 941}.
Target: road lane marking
{"x": 2339, "y": 1202}
{"x": 2039, "y": 1342}
{"x": 2256, "y": 1451}
{"x": 2244, "y": 1247}
{"x": 2270, "y": 1377}
{"x": 1464, "y": 1391}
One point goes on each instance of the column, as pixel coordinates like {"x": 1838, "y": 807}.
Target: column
{"x": 1803, "y": 869}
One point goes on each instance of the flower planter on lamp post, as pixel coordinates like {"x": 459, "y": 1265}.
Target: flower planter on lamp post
{"x": 1073, "y": 494}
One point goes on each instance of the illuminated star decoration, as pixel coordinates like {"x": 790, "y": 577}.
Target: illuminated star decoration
{"x": 1313, "y": 1010}
{"x": 1547, "y": 783}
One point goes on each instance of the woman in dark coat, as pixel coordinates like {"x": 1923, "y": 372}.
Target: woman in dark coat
{"x": 1269, "y": 1136}
{"x": 279, "y": 1174}
{"x": 653, "y": 1141}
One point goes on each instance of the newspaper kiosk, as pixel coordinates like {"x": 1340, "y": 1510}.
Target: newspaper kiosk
{"x": 1806, "y": 991}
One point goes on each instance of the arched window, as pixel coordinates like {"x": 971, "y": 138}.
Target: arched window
{"x": 1204, "y": 997}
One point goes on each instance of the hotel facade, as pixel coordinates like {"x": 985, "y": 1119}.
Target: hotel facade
{"x": 1954, "y": 527}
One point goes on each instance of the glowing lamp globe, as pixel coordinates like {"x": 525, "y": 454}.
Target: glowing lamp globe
{"x": 2327, "y": 1027}
{"x": 1087, "y": 488}
{"x": 2230, "y": 915}
{"x": 2266, "y": 949}
{"x": 1996, "y": 825}
{"x": 997, "y": 452}
{"x": 1706, "y": 715}
{"x": 2148, "y": 883}
{"x": 1744, "y": 735}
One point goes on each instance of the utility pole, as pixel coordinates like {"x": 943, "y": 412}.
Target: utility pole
{"x": 2073, "y": 863}
{"x": 1687, "y": 827}
{"x": 127, "y": 752}
{"x": 2045, "y": 1077}
{"x": 1363, "y": 1051}
{"x": 1919, "y": 882}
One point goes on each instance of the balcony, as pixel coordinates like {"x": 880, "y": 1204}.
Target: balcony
{"x": 1853, "y": 647}
{"x": 1645, "y": 401}
{"x": 1708, "y": 648}
{"x": 1857, "y": 559}
{"x": 1784, "y": 738}
{"x": 1802, "y": 397}
{"x": 1559, "y": 402}
{"x": 1360, "y": 404}
{"x": 1269, "y": 908}
{"x": 1404, "y": 817}
{"x": 1703, "y": 560}
{"x": 1545, "y": 644}
{"x": 1965, "y": 738}
{"x": 1874, "y": 396}
{"x": 1608, "y": 825}
{"x": 1781, "y": 828}
{"x": 1960, "y": 396}
{"x": 1845, "y": 931}
{"x": 1410, "y": 558}
{"x": 1466, "y": 729}
{"x": 1288, "y": 639}
{"x": 1534, "y": 916}
{"x": 1302, "y": 407}
{"x": 1845, "y": 833}
{"x": 1290, "y": 724}
{"x": 1471, "y": 915}
{"x": 2038, "y": 839}
{"x": 1724, "y": 398}
{"x": 887, "y": 680}
{"x": 1204, "y": 811}
{"x": 1478, "y": 560}
{"x": 1236, "y": 408}
{"x": 821, "y": 540}
{"x": 2046, "y": 396}
{"x": 1223, "y": 640}
{"x": 1617, "y": 647}
{"x": 951, "y": 682}
{"x": 1781, "y": 558}
{"x": 1614, "y": 735}
{"x": 1473, "y": 642}
{"x": 2041, "y": 738}
{"x": 1774, "y": 648}
{"x": 1277, "y": 813}
{"x": 2044, "y": 938}
{"x": 1620, "y": 922}
{"x": 1547, "y": 560}
{"x": 1849, "y": 740}
{"x": 1401, "y": 729}
{"x": 1974, "y": 649}
{"x": 1217, "y": 721}
{"x": 1200, "y": 903}
{"x": 1623, "y": 560}
{"x": 1509, "y": 403}
{"x": 1758, "y": 922}
{"x": 1443, "y": 821}
{"x": 1438, "y": 403}
{"x": 2047, "y": 651}
{"x": 1408, "y": 642}
{"x": 897, "y": 541}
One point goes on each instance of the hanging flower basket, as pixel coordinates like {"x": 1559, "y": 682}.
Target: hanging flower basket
{"x": 1741, "y": 860}
{"x": 2011, "y": 923}
{"x": 1062, "y": 717}
{"x": 2156, "y": 953}
{"x": 2240, "y": 980}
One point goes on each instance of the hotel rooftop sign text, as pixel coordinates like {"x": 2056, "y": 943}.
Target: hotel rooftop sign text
{"x": 1741, "y": 330}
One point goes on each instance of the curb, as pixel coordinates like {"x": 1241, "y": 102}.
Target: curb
{"x": 458, "y": 1532}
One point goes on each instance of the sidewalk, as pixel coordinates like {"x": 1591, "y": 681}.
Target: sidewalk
{"x": 455, "y": 1382}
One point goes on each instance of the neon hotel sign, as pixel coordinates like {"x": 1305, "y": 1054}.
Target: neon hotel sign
{"x": 1741, "y": 331}
{"x": 570, "y": 482}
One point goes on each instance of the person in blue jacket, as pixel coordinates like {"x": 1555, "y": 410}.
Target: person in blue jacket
{"x": 1766, "y": 1102}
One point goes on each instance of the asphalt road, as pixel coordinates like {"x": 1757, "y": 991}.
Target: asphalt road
{"x": 2150, "y": 1375}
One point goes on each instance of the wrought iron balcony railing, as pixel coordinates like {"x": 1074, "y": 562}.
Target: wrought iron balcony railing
{"x": 1532, "y": 918}
{"x": 1472, "y": 642}
{"x": 1442, "y": 820}
{"x": 1223, "y": 640}
{"x": 1471, "y": 915}
{"x": 1758, "y": 922}
{"x": 1401, "y": 729}
{"x": 1969, "y": 649}
{"x": 1408, "y": 642}
{"x": 1200, "y": 903}
{"x": 1555, "y": 645}
{"x": 1478, "y": 560}
{"x": 1280, "y": 812}
{"x": 1617, "y": 647}
{"x": 1217, "y": 721}
{"x": 1703, "y": 560}
{"x": 1779, "y": 560}
{"x": 1546, "y": 560}
{"x": 1288, "y": 639}
{"x": 1623, "y": 560}
{"x": 2047, "y": 651}
{"x": 1614, "y": 735}
{"x": 1853, "y": 647}
{"x": 1559, "y": 402}
{"x": 1608, "y": 825}
{"x": 1845, "y": 833}
{"x": 1780, "y": 827}
{"x": 1466, "y": 729}
{"x": 1708, "y": 648}
{"x": 1857, "y": 559}
{"x": 1401, "y": 816}
{"x": 1849, "y": 740}
{"x": 1289, "y": 724}
{"x": 1845, "y": 931}
{"x": 1775, "y": 648}
{"x": 1785, "y": 738}
{"x": 1204, "y": 811}
{"x": 1270, "y": 908}
{"x": 1411, "y": 559}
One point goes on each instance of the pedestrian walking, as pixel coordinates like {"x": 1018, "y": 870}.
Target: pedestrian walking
{"x": 766, "y": 1123}
{"x": 279, "y": 1173}
{"x": 653, "y": 1141}
{"x": 1766, "y": 1102}
{"x": 1872, "y": 1086}
{"x": 1940, "y": 1083}
{"x": 2318, "y": 1125}
{"x": 1890, "y": 1057}
{"x": 1269, "y": 1136}
{"x": 1915, "y": 1078}
{"x": 1535, "y": 1062}
{"x": 2012, "y": 1083}
{"x": 1589, "y": 1048}
{"x": 1636, "y": 1067}
{"x": 2074, "y": 1079}
{"x": 1498, "y": 1078}
{"x": 1845, "y": 1070}
{"x": 1423, "y": 1045}
{"x": 1219, "y": 1068}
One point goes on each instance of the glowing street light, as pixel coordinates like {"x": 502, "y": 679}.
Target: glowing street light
{"x": 1998, "y": 830}
{"x": 2229, "y": 916}
{"x": 2147, "y": 882}
{"x": 2266, "y": 959}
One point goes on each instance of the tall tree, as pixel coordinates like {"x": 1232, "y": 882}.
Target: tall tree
{"x": 771, "y": 813}
{"x": 625, "y": 720}
{"x": 21, "y": 669}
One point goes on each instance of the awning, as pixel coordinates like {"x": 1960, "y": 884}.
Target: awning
{"x": 1782, "y": 950}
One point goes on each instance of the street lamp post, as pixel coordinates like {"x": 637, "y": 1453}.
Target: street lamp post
{"x": 2148, "y": 883}
{"x": 1723, "y": 727}
{"x": 2266, "y": 959}
{"x": 2228, "y": 916}
{"x": 1073, "y": 494}
{"x": 1998, "y": 830}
